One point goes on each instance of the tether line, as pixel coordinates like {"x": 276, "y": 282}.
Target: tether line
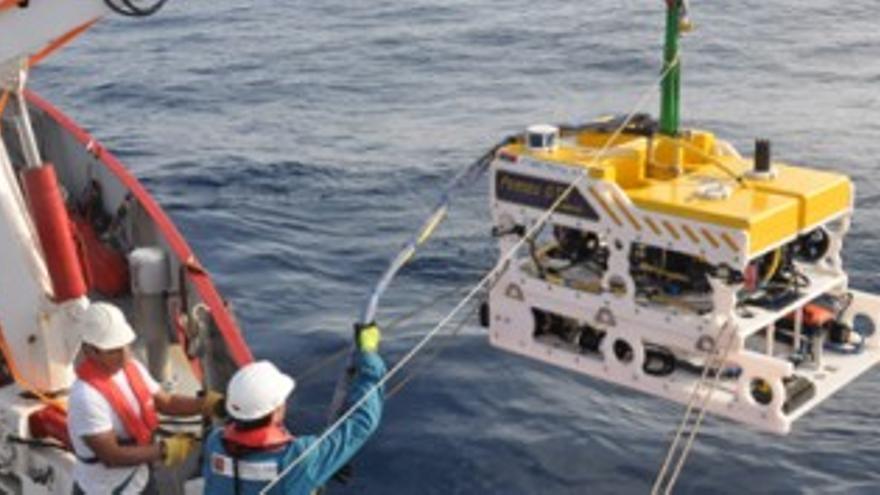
{"x": 501, "y": 265}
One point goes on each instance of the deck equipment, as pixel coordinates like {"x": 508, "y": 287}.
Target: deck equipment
{"x": 75, "y": 228}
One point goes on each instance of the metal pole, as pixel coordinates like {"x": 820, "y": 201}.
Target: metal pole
{"x": 25, "y": 128}
{"x": 798, "y": 329}
{"x": 671, "y": 85}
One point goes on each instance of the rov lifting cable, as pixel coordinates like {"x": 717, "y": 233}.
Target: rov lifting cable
{"x": 392, "y": 325}
{"x": 501, "y": 265}
{"x": 401, "y": 259}
{"x": 430, "y": 358}
{"x": 463, "y": 179}
{"x": 665, "y": 482}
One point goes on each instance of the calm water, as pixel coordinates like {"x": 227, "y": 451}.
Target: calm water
{"x": 296, "y": 144}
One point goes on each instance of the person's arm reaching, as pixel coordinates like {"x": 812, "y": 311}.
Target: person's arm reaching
{"x": 108, "y": 450}
{"x": 340, "y": 445}
{"x": 171, "y": 450}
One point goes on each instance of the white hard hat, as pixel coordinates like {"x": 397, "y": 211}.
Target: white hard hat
{"x": 104, "y": 326}
{"x": 256, "y": 390}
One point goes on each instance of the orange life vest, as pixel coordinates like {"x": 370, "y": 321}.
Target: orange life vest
{"x": 268, "y": 437}
{"x": 139, "y": 426}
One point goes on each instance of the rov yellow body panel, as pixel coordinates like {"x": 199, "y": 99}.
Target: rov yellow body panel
{"x": 667, "y": 175}
{"x": 821, "y": 194}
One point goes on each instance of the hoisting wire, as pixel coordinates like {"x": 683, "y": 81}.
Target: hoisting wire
{"x": 662, "y": 484}
{"x": 405, "y": 317}
{"x": 501, "y": 265}
{"x": 388, "y": 328}
{"x": 398, "y": 387}
{"x": 438, "y": 214}
{"x": 368, "y": 315}
{"x": 131, "y": 8}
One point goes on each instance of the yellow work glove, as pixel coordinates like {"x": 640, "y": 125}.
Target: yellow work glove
{"x": 176, "y": 448}
{"x": 368, "y": 337}
{"x": 214, "y": 405}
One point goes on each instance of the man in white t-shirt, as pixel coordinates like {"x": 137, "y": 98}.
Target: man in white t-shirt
{"x": 112, "y": 411}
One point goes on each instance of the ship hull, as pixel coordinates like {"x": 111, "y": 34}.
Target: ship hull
{"x": 133, "y": 256}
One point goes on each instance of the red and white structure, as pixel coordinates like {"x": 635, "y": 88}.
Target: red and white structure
{"x": 76, "y": 226}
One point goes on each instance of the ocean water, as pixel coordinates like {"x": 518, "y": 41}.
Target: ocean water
{"x": 297, "y": 144}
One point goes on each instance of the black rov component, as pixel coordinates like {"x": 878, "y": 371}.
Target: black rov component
{"x": 798, "y": 391}
{"x": 816, "y": 320}
{"x": 762, "y": 155}
{"x": 668, "y": 272}
{"x": 590, "y": 339}
{"x": 587, "y": 338}
{"x": 484, "y": 314}
{"x": 812, "y": 246}
{"x": 773, "y": 280}
{"x": 659, "y": 361}
{"x": 579, "y": 246}
{"x": 839, "y": 332}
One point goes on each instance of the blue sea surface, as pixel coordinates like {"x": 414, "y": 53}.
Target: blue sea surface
{"x": 298, "y": 144}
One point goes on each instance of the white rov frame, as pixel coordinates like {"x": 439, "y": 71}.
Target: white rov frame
{"x": 616, "y": 312}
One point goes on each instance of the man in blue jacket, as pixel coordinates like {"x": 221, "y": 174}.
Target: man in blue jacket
{"x": 254, "y": 448}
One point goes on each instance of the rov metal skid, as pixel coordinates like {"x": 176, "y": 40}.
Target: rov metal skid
{"x": 672, "y": 265}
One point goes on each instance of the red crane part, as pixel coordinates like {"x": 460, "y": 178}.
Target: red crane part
{"x": 56, "y": 236}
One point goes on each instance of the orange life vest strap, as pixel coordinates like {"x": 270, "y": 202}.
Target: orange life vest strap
{"x": 266, "y": 438}
{"x": 140, "y": 426}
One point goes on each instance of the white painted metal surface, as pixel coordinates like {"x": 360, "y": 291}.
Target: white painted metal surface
{"x": 32, "y": 325}
{"x": 607, "y": 302}
{"x": 28, "y": 30}
{"x": 25, "y": 470}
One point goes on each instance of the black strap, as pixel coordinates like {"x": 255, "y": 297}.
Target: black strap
{"x": 236, "y": 479}
{"x": 121, "y": 488}
{"x": 87, "y": 460}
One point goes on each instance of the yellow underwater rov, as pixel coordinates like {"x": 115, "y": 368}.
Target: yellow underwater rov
{"x": 660, "y": 259}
